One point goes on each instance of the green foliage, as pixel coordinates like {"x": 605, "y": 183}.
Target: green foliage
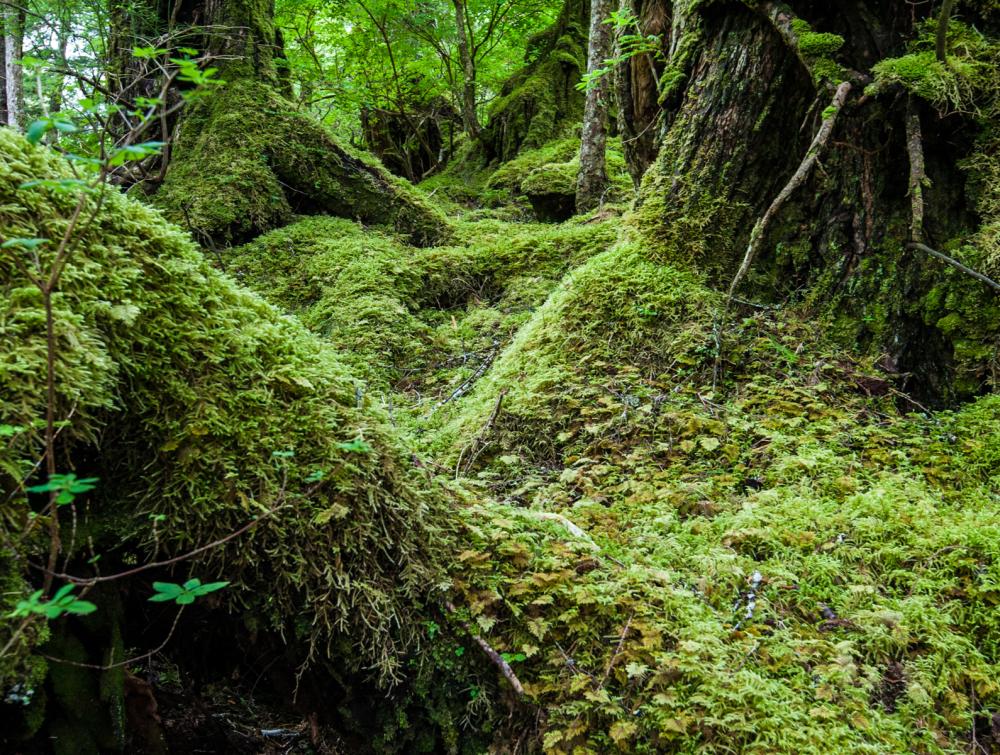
{"x": 66, "y": 487}
{"x": 62, "y": 602}
{"x": 186, "y": 594}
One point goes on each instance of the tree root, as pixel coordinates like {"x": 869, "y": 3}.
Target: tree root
{"x": 955, "y": 264}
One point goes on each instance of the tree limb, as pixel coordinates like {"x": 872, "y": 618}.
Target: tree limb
{"x": 918, "y": 173}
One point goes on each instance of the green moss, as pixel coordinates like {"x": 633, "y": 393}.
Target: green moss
{"x": 388, "y": 308}
{"x": 538, "y": 103}
{"x": 193, "y": 384}
{"x": 279, "y": 162}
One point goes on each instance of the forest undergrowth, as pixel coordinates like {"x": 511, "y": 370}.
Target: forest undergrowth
{"x": 772, "y": 551}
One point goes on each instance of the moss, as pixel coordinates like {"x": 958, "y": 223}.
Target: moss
{"x": 388, "y": 308}
{"x": 967, "y": 82}
{"x": 193, "y": 384}
{"x": 279, "y": 162}
{"x": 541, "y": 101}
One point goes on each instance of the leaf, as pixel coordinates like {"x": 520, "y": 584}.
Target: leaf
{"x": 23, "y": 243}
{"x": 37, "y": 130}
{"x": 709, "y": 444}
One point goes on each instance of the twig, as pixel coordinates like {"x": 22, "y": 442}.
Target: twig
{"x": 477, "y": 444}
{"x": 464, "y": 387}
{"x": 493, "y": 655}
{"x": 127, "y": 662}
{"x": 618, "y": 650}
{"x": 955, "y": 264}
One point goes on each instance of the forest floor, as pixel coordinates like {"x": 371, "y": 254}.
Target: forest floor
{"x": 753, "y": 545}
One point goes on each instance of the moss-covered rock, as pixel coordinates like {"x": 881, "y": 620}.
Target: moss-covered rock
{"x": 278, "y": 162}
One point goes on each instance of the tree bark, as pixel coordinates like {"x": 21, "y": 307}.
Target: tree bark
{"x": 592, "y": 180}
{"x": 13, "y": 73}
{"x": 470, "y": 119}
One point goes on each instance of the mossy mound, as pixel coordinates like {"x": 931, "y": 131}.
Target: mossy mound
{"x": 617, "y": 311}
{"x": 547, "y": 177}
{"x": 278, "y": 162}
{"x": 210, "y": 409}
{"x": 390, "y": 309}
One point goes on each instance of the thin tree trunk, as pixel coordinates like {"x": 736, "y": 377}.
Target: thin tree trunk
{"x": 469, "y": 118}
{"x": 592, "y": 181}
{"x": 13, "y": 73}
{"x": 3, "y": 68}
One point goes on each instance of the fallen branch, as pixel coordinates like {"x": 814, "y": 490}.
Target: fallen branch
{"x": 817, "y": 147}
{"x": 493, "y": 655}
{"x": 955, "y": 264}
{"x": 464, "y": 387}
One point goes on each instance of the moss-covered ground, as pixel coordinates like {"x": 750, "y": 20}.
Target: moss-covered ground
{"x": 681, "y": 541}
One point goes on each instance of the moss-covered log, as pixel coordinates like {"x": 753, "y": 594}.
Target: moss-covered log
{"x": 245, "y": 160}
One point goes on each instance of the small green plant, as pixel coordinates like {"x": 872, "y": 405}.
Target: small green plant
{"x": 186, "y": 594}
{"x": 66, "y": 487}
{"x": 62, "y": 602}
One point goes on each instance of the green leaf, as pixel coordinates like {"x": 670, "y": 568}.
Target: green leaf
{"x": 37, "y": 130}
{"x": 23, "y": 243}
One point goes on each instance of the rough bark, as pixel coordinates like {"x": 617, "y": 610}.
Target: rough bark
{"x": 469, "y": 117}
{"x": 592, "y": 180}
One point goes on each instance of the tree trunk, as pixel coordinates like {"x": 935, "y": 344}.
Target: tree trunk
{"x": 469, "y": 117}
{"x": 13, "y": 72}
{"x": 246, "y": 161}
{"x": 592, "y": 181}
{"x": 738, "y": 114}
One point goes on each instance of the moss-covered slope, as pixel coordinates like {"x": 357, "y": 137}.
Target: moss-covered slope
{"x": 201, "y": 407}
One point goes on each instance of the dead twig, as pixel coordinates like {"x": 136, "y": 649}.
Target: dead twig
{"x": 493, "y": 655}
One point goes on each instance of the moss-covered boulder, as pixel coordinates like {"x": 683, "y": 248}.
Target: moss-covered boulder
{"x": 278, "y": 162}
{"x": 210, "y": 410}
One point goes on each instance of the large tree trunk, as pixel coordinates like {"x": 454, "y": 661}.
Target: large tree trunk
{"x": 245, "y": 161}
{"x": 592, "y": 180}
{"x": 743, "y": 108}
